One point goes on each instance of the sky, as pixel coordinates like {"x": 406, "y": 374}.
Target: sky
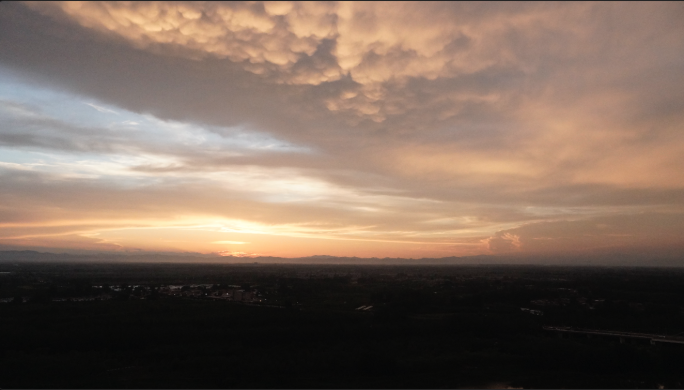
{"x": 367, "y": 129}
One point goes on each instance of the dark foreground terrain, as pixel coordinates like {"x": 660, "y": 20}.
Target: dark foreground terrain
{"x": 336, "y": 326}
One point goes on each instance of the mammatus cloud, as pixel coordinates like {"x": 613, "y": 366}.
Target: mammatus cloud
{"x": 376, "y": 45}
{"x": 407, "y": 129}
{"x": 537, "y": 77}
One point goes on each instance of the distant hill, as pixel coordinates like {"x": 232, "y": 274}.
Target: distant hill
{"x": 579, "y": 259}
{"x": 34, "y": 256}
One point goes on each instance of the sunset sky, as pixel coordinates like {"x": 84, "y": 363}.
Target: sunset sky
{"x": 346, "y": 129}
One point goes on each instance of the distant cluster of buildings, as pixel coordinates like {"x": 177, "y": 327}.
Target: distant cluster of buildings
{"x": 204, "y": 291}
{"x": 83, "y": 299}
{"x": 532, "y": 311}
{"x": 60, "y": 299}
{"x": 590, "y": 303}
{"x": 236, "y": 295}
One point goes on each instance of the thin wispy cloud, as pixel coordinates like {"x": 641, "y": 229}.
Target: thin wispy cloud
{"x": 102, "y": 109}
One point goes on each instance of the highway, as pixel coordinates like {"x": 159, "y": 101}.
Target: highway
{"x": 654, "y": 338}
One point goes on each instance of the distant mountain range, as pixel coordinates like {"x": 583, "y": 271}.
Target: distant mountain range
{"x": 580, "y": 259}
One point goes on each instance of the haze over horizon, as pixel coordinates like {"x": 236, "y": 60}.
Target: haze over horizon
{"x": 412, "y": 130}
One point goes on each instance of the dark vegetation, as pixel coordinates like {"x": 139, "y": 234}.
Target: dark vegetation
{"x": 112, "y": 326}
